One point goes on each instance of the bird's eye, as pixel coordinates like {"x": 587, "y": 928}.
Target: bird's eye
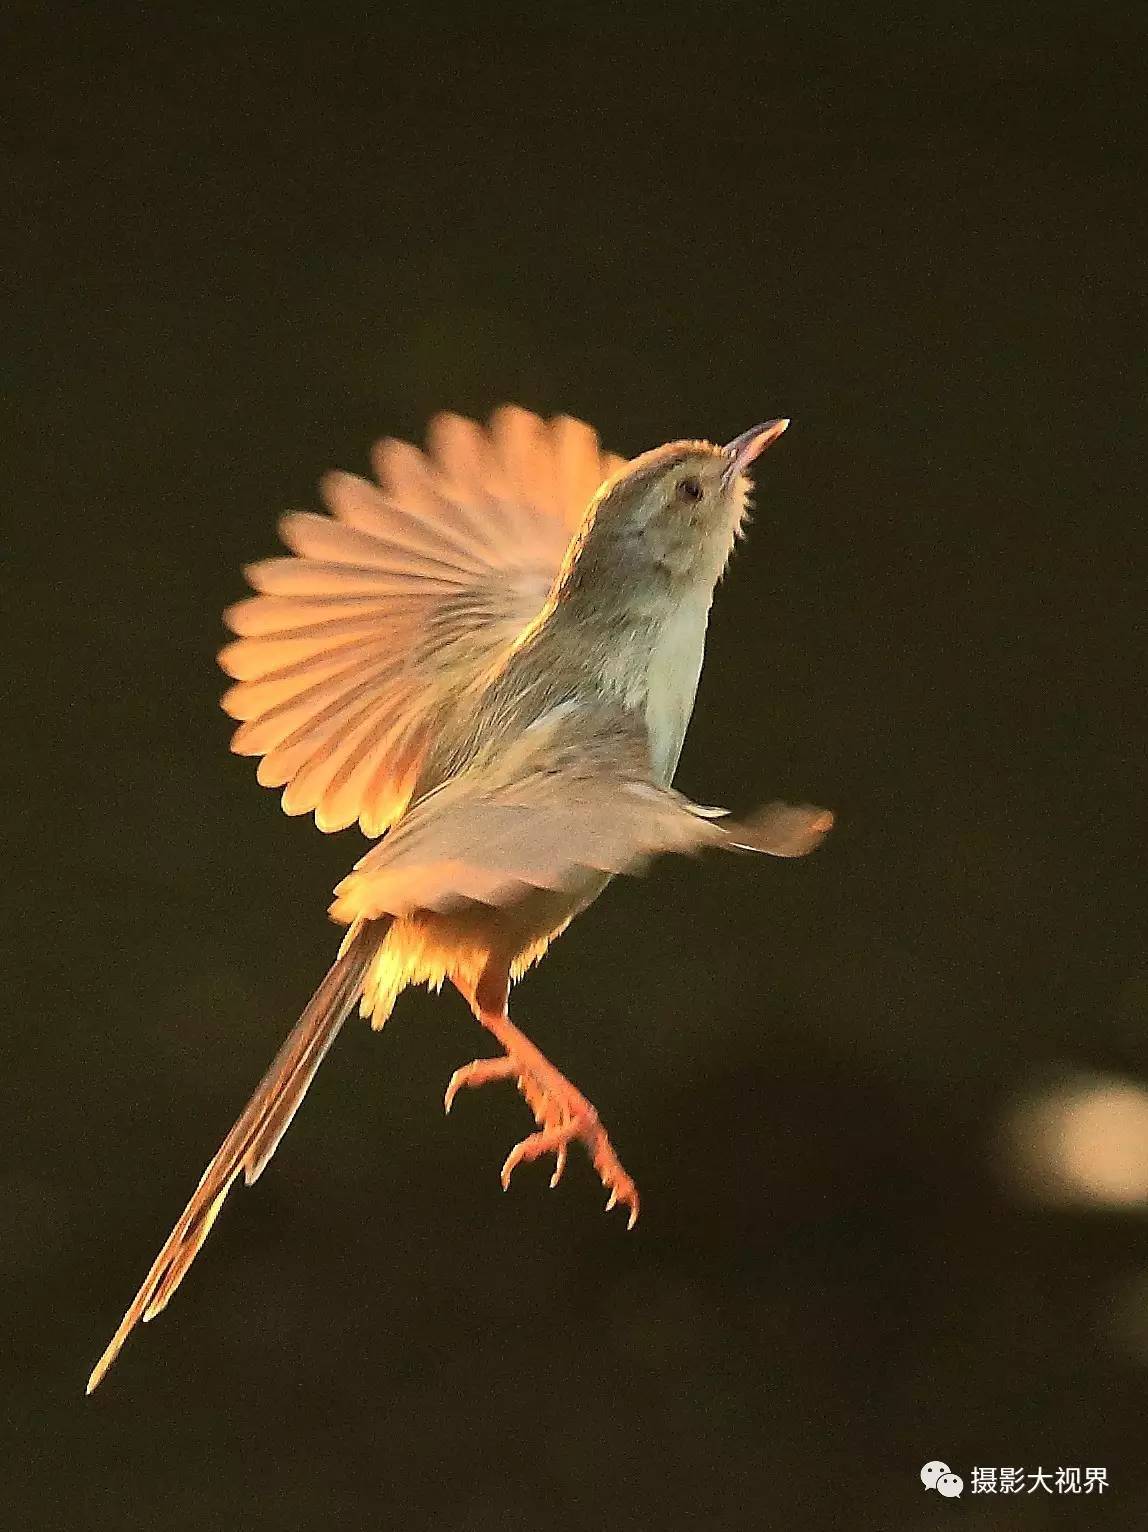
{"x": 688, "y": 489}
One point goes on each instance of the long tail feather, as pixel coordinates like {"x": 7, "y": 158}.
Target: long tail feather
{"x": 255, "y": 1137}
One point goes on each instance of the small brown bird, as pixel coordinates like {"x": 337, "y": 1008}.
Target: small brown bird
{"x": 489, "y": 660}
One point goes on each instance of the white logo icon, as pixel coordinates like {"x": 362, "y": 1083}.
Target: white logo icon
{"x": 939, "y": 1476}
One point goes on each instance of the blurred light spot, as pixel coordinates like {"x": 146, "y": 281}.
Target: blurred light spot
{"x": 1082, "y": 1141}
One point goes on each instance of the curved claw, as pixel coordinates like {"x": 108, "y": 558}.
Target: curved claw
{"x": 553, "y": 1141}
{"x": 477, "y": 1073}
{"x": 627, "y": 1196}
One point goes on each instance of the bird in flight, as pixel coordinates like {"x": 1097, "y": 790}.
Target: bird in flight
{"x": 487, "y": 659}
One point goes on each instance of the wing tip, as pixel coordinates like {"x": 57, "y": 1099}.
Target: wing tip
{"x": 782, "y": 829}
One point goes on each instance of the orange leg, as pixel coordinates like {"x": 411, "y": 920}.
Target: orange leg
{"x": 562, "y": 1113}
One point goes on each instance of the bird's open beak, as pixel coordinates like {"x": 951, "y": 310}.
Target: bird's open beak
{"x": 749, "y": 445}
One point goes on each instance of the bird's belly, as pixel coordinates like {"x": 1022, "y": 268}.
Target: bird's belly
{"x": 512, "y": 931}
{"x": 471, "y": 942}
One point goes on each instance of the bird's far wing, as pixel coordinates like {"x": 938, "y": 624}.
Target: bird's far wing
{"x": 550, "y": 818}
{"x": 396, "y": 601}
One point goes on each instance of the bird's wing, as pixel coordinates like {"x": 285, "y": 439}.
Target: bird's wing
{"x": 549, "y": 813}
{"x": 398, "y": 600}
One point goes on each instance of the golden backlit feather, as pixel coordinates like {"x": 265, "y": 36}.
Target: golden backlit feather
{"x": 395, "y": 602}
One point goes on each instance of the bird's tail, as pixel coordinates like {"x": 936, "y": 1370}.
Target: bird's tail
{"x": 255, "y": 1137}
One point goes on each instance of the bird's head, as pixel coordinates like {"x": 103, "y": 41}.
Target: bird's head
{"x": 669, "y": 517}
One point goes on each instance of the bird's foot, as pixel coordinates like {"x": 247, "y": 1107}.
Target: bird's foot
{"x": 563, "y": 1115}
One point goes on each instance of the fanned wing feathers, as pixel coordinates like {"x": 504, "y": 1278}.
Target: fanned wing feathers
{"x": 396, "y": 601}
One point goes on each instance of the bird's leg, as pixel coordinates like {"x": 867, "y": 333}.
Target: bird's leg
{"x": 561, "y": 1111}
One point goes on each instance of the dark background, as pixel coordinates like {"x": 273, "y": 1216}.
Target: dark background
{"x": 243, "y": 249}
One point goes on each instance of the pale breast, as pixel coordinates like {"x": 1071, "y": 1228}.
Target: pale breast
{"x": 672, "y": 684}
